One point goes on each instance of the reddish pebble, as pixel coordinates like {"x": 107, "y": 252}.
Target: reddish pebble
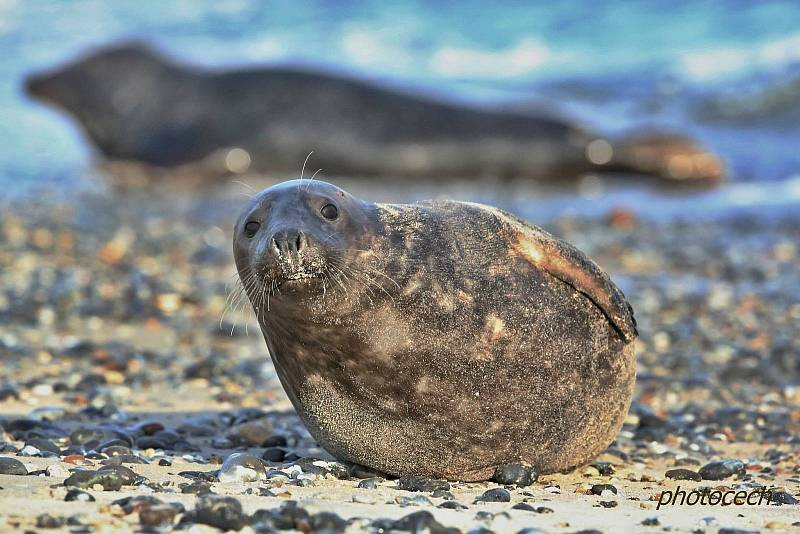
{"x": 622, "y": 219}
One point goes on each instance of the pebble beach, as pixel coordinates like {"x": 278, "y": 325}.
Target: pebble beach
{"x": 136, "y": 392}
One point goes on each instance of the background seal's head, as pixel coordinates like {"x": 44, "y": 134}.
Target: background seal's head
{"x": 298, "y": 242}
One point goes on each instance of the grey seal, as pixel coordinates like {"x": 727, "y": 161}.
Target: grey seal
{"x": 444, "y": 339}
{"x": 137, "y": 106}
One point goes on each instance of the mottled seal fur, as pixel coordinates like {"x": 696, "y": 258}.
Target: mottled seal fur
{"x": 137, "y": 106}
{"x": 442, "y": 338}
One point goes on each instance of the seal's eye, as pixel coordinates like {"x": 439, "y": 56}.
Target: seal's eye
{"x": 251, "y": 228}
{"x": 329, "y": 211}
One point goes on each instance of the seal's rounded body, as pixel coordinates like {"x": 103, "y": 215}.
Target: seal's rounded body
{"x": 441, "y": 339}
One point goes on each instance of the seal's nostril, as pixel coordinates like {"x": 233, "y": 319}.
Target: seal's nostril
{"x": 288, "y": 242}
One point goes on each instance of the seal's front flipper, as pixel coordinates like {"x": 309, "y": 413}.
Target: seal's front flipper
{"x": 571, "y": 266}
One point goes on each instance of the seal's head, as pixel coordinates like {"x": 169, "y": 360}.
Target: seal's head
{"x": 298, "y": 242}
{"x": 115, "y": 94}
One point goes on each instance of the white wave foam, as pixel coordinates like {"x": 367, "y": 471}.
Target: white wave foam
{"x": 711, "y": 64}
{"x": 523, "y": 58}
{"x": 375, "y": 49}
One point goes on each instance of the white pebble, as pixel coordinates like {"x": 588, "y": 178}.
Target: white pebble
{"x": 238, "y": 473}
{"x": 57, "y": 471}
{"x": 42, "y": 390}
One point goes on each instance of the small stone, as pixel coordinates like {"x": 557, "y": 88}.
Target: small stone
{"x": 287, "y": 517}
{"x": 523, "y": 506}
{"x": 274, "y": 454}
{"x": 30, "y": 450}
{"x": 275, "y": 441}
{"x": 651, "y": 522}
{"x": 78, "y": 495}
{"x": 242, "y": 467}
{"x": 172, "y": 439}
{"x": 422, "y": 484}
{"x": 322, "y": 468}
{"x": 722, "y": 469}
{"x": 484, "y": 516}
{"x": 8, "y": 392}
{"x": 49, "y": 521}
{"x": 328, "y": 522}
{"x": 608, "y": 504}
{"x": 57, "y": 471}
{"x": 517, "y": 474}
{"x": 198, "y": 487}
{"x": 359, "y": 471}
{"x": 598, "y": 489}
{"x": 369, "y": 483}
{"x": 116, "y": 450}
{"x": 136, "y": 503}
{"x": 149, "y": 428}
{"x": 416, "y": 500}
{"x": 82, "y": 436}
{"x": 452, "y": 505}
{"x": 110, "y": 478}
{"x": 208, "y": 476}
{"x": 251, "y": 433}
{"x": 224, "y": 513}
{"x": 164, "y": 462}
{"x": 154, "y": 516}
{"x": 782, "y": 497}
{"x": 604, "y": 468}
{"x": 443, "y": 494}
{"x": 44, "y": 445}
{"x": 683, "y": 474}
{"x": 543, "y": 510}
{"x": 422, "y": 521}
{"x": 12, "y": 466}
{"x": 495, "y": 495}
{"x": 128, "y": 475}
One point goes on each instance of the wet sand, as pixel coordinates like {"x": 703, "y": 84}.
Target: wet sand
{"x": 115, "y": 352}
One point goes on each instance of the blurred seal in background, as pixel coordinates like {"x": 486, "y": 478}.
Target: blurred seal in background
{"x": 137, "y": 106}
{"x": 443, "y": 339}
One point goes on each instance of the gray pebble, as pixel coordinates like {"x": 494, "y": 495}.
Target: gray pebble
{"x": 721, "y": 470}
{"x": 242, "y": 467}
{"x": 495, "y": 495}
{"x": 12, "y": 466}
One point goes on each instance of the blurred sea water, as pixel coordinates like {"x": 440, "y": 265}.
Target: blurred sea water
{"x": 726, "y": 71}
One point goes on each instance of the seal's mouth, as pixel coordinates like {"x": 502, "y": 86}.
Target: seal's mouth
{"x": 300, "y": 280}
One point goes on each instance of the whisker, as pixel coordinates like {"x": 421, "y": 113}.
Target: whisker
{"x": 312, "y": 178}
{"x": 303, "y": 170}
{"x": 249, "y": 187}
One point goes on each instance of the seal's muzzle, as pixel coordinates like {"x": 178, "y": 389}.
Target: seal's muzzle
{"x": 294, "y": 256}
